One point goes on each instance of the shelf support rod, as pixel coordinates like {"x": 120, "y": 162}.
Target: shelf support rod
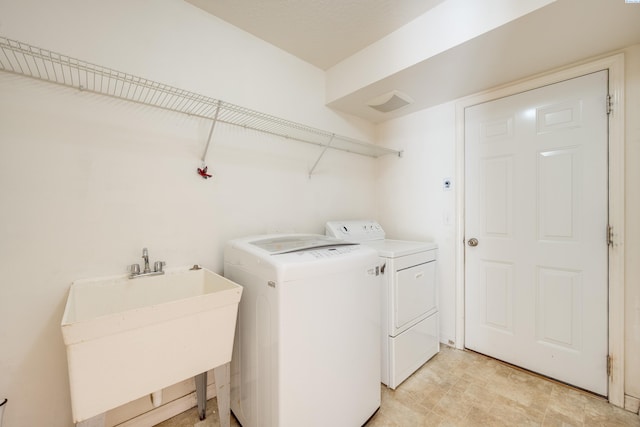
{"x": 326, "y": 147}
{"x": 213, "y": 126}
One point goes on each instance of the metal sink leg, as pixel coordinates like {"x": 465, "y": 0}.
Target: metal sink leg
{"x": 222, "y": 376}
{"x": 201, "y": 394}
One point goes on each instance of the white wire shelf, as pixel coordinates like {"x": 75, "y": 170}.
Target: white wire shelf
{"x": 23, "y": 59}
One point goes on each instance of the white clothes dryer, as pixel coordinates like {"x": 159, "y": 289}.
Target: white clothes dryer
{"x": 306, "y": 351}
{"x": 410, "y": 330}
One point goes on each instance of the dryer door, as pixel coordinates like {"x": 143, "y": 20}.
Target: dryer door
{"x": 414, "y": 295}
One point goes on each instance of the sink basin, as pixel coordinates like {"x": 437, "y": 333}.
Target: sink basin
{"x": 127, "y": 338}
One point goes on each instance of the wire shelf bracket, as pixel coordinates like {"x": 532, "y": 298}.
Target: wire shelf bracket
{"x": 31, "y": 61}
{"x": 213, "y": 126}
{"x": 326, "y": 147}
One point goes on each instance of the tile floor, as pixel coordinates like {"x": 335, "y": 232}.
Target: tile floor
{"x": 460, "y": 388}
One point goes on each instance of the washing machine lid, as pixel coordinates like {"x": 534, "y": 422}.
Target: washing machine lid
{"x": 299, "y": 242}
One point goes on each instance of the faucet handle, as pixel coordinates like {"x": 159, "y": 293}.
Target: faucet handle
{"x": 134, "y": 269}
{"x": 158, "y": 266}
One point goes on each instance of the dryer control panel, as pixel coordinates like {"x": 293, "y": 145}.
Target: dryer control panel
{"x": 355, "y": 231}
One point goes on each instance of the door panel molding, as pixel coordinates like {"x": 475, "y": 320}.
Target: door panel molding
{"x": 615, "y": 65}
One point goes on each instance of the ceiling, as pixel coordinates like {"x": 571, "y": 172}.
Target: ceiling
{"x": 321, "y": 32}
{"x": 326, "y": 32}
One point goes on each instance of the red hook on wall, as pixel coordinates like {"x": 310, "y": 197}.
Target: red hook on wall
{"x": 203, "y": 172}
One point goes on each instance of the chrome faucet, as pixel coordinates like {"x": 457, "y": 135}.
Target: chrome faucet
{"x": 158, "y": 267}
{"x": 145, "y": 257}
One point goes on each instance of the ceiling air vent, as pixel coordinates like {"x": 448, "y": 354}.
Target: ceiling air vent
{"x": 390, "y": 101}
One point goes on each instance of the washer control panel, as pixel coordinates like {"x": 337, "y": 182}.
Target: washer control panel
{"x": 355, "y": 231}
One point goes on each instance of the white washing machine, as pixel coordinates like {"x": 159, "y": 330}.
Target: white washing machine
{"x": 410, "y": 331}
{"x": 306, "y": 351}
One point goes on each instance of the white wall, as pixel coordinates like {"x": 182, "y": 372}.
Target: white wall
{"x": 412, "y": 204}
{"x": 87, "y": 181}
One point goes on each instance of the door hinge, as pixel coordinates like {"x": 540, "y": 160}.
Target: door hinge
{"x": 609, "y": 365}
{"x": 609, "y": 235}
{"x": 609, "y": 104}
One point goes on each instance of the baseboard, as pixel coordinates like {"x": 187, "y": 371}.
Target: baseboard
{"x": 631, "y": 404}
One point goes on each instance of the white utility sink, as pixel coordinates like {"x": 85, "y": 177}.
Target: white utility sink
{"x": 127, "y": 338}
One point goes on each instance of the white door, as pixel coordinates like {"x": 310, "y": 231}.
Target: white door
{"x": 536, "y": 204}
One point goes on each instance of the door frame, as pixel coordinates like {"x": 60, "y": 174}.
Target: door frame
{"x": 616, "y": 204}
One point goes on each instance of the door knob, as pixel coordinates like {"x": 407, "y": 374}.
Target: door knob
{"x": 473, "y": 242}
